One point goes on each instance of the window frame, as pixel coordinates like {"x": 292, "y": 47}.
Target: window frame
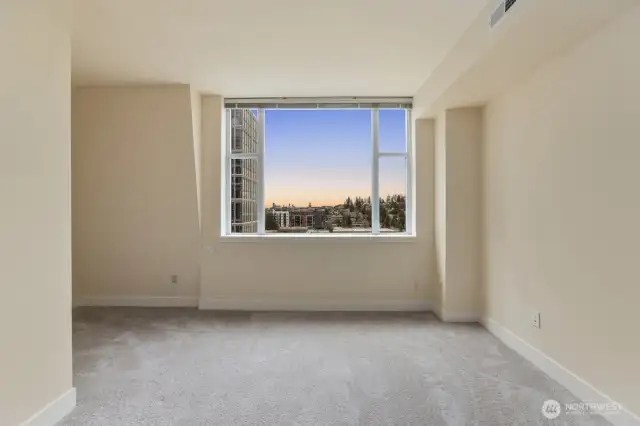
{"x": 259, "y": 157}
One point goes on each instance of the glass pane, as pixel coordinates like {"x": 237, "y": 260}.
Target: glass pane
{"x": 393, "y": 184}
{"x": 318, "y": 171}
{"x": 243, "y": 131}
{"x": 244, "y": 196}
{"x": 392, "y": 126}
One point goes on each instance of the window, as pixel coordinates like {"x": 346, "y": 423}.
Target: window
{"x": 318, "y": 171}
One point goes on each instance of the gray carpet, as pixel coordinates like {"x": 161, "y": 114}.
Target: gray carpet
{"x": 187, "y": 367}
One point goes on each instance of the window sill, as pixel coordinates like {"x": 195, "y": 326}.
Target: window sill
{"x": 313, "y": 239}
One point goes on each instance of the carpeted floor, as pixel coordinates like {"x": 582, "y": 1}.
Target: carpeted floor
{"x": 187, "y": 367}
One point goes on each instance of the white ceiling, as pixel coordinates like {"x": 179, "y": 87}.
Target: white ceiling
{"x": 241, "y": 48}
{"x": 487, "y": 62}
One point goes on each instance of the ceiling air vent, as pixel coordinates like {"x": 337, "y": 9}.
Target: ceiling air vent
{"x": 500, "y": 11}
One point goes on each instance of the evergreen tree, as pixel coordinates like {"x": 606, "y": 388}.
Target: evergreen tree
{"x": 359, "y": 204}
{"x": 329, "y": 225}
{"x": 346, "y": 221}
{"x": 386, "y": 222}
{"x": 348, "y": 204}
{"x": 402, "y": 226}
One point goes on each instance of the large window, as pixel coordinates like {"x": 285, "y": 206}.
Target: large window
{"x": 318, "y": 171}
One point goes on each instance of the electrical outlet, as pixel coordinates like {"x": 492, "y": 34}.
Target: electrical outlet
{"x": 174, "y": 279}
{"x": 535, "y": 319}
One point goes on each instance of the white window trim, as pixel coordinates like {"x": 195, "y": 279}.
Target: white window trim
{"x": 375, "y": 234}
{"x": 410, "y": 195}
{"x": 395, "y": 237}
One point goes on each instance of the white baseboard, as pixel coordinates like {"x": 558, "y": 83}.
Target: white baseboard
{"x": 139, "y": 301}
{"x": 575, "y": 384}
{"x": 459, "y": 317}
{"x": 54, "y": 411}
{"x": 316, "y": 305}
{"x": 258, "y": 304}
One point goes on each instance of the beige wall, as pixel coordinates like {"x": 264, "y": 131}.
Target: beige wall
{"x": 463, "y": 182}
{"x": 135, "y": 210}
{"x": 196, "y": 121}
{"x": 458, "y": 207}
{"x": 440, "y": 218}
{"x": 35, "y": 216}
{"x": 562, "y": 204}
{"x": 314, "y": 273}
{"x": 136, "y": 162}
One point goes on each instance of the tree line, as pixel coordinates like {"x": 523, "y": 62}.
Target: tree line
{"x": 392, "y": 211}
{"x": 392, "y": 214}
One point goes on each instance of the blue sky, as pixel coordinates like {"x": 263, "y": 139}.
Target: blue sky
{"x": 323, "y": 156}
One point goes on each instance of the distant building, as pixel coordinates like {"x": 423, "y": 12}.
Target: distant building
{"x": 299, "y": 217}
{"x": 302, "y": 218}
{"x": 281, "y": 218}
{"x": 318, "y": 218}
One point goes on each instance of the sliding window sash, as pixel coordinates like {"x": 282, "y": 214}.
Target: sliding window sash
{"x": 375, "y": 171}
{"x": 258, "y": 156}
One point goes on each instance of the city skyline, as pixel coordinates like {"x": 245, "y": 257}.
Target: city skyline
{"x": 313, "y": 205}
{"x": 324, "y": 156}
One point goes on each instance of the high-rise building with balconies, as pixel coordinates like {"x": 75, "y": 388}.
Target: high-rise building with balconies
{"x": 244, "y": 172}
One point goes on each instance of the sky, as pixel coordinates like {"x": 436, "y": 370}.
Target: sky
{"x": 324, "y": 156}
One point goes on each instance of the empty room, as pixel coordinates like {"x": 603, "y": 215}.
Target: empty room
{"x": 319, "y": 213}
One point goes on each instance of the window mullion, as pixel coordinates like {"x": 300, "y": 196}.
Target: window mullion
{"x": 261, "y": 174}
{"x": 408, "y": 218}
{"x": 375, "y": 175}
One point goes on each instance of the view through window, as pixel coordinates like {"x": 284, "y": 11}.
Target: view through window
{"x": 321, "y": 168}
